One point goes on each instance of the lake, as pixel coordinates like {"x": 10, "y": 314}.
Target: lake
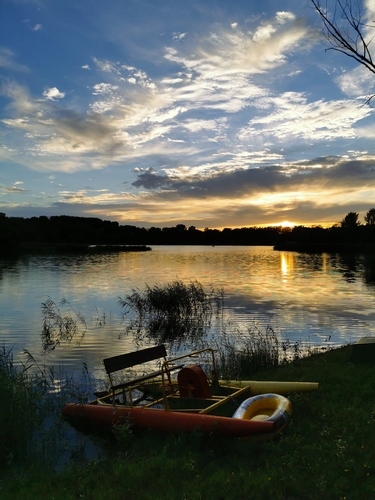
{"x": 321, "y": 299}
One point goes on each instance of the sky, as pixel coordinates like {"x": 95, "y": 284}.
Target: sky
{"x": 209, "y": 113}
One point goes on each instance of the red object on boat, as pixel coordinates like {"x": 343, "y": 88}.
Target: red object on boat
{"x": 192, "y": 381}
{"x": 102, "y": 417}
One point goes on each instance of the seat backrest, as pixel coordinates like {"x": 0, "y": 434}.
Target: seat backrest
{"x": 130, "y": 359}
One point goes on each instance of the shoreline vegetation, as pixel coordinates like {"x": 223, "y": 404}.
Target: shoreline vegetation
{"x": 321, "y": 247}
{"x": 78, "y": 248}
{"x": 325, "y": 452}
{"x": 62, "y": 234}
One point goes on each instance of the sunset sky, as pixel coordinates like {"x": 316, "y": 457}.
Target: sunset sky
{"x": 212, "y": 113}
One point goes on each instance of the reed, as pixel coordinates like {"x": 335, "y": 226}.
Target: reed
{"x": 31, "y": 426}
{"x": 173, "y": 310}
{"x": 242, "y": 354}
{"x": 60, "y": 325}
{"x": 22, "y": 413}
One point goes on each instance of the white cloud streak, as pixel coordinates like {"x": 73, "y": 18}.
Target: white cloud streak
{"x": 120, "y": 121}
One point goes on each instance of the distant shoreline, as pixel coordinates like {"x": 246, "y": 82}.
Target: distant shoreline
{"x": 79, "y": 248}
{"x": 58, "y": 248}
{"x": 325, "y": 247}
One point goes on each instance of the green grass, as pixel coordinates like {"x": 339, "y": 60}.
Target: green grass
{"x": 327, "y": 451}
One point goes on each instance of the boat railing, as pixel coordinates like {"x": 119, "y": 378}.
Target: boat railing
{"x": 125, "y": 389}
{"x": 127, "y": 361}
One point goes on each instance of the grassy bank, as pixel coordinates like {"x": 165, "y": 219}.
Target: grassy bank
{"x": 327, "y": 451}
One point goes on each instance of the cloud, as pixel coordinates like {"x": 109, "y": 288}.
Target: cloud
{"x": 107, "y": 66}
{"x": 55, "y": 130}
{"x": 121, "y": 123}
{"x": 291, "y": 115}
{"x": 199, "y": 125}
{"x": 328, "y": 176}
{"x": 178, "y": 36}
{"x": 229, "y": 52}
{"x": 78, "y": 134}
{"x": 7, "y": 61}
{"x": 356, "y": 83}
{"x": 53, "y": 94}
{"x": 316, "y": 192}
{"x": 369, "y": 15}
{"x": 313, "y": 191}
{"x": 104, "y": 88}
{"x": 22, "y": 105}
{"x": 320, "y": 190}
{"x": 14, "y": 189}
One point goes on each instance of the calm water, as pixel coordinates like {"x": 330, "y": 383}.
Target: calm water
{"x": 322, "y": 299}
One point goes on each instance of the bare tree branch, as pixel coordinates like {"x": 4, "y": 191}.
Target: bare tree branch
{"x": 345, "y": 31}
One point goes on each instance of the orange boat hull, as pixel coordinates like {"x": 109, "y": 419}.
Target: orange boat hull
{"x": 102, "y": 417}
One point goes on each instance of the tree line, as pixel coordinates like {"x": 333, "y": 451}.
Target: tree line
{"x": 70, "y": 232}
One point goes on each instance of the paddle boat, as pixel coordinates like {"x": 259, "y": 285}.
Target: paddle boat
{"x": 193, "y": 401}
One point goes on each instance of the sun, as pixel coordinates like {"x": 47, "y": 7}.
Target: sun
{"x": 286, "y": 223}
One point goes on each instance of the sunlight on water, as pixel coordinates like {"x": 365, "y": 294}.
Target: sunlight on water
{"x": 322, "y": 299}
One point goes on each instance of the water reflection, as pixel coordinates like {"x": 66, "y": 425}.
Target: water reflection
{"x": 286, "y": 263}
{"x": 350, "y": 265}
{"x": 368, "y": 272}
{"x": 301, "y": 296}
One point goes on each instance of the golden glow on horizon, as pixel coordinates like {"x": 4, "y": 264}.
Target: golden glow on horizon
{"x": 286, "y": 223}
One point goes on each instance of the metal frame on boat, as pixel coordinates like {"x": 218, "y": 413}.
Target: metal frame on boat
{"x": 192, "y": 401}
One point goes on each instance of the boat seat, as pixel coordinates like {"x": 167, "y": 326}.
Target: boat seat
{"x": 192, "y": 382}
{"x": 128, "y": 360}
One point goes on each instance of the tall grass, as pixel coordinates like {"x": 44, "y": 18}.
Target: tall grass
{"x": 22, "y": 411}
{"x": 173, "y": 310}
{"x": 242, "y": 355}
{"x": 31, "y": 426}
{"x": 25, "y": 409}
{"x": 60, "y": 326}
{"x": 178, "y": 311}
